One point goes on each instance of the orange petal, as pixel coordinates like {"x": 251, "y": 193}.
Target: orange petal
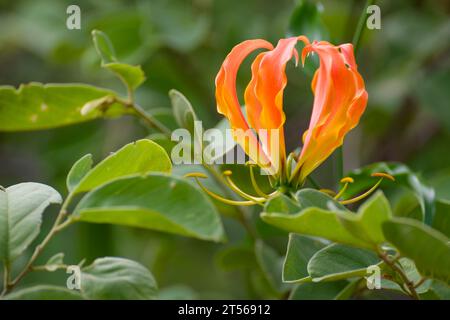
{"x": 340, "y": 99}
{"x": 228, "y": 102}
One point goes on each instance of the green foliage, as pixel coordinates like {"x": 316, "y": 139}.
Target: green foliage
{"x": 37, "y": 106}
{"x": 403, "y": 177}
{"x": 319, "y": 291}
{"x": 429, "y": 249}
{"x": 299, "y": 251}
{"x": 131, "y": 76}
{"x": 176, "y": 44}
{"x": 44, "y": 292}
{"x": 21, "y": 208}
{"x": 336, "y": 262}
{"x": 117, "y": 278}
{"x": 315, "y": 220}
{"x": 306, "y": 20}
{"x": 153, "y": 201}
{"x": 140, "y": 157}
{"x": 78, "y": 171}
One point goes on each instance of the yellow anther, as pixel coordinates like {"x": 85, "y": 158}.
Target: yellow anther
{"x": 227, "y": 173}
{"x": 347, "y": 180}
{"x": 383, "y": 175}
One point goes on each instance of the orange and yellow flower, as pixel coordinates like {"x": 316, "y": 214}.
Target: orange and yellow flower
{"x": 339, "y": 101}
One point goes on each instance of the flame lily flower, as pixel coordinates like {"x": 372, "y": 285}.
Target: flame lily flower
{"x": 339, "y": 101}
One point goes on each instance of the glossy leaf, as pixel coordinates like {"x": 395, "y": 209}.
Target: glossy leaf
{"x": 37, "y": 106}
{"x": 154, "y": 201}
{"x": 138, "y": 157}
{"x": 428, "y": 248}
{"x": 21, "y": 208}
{"x": 336, "y": 262}
{"x": 78, "y": 171}
{"x": 117, "y": 278}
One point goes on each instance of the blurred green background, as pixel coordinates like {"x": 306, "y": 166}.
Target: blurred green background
{"x": 181, "y": 45}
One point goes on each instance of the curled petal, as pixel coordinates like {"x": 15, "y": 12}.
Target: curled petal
{"x": 228, "y": 102}
{"x": 340, "y": 99}
{"x": 264, "y": 96}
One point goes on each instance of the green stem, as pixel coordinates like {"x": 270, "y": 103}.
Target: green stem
{"x": 313, "y": 182}
{"x": 339, "y": 154}
{"x": 360, "y": 27}
{"x": 409, "y": 284}
{"x": 58, "y": 225}
{"x": 6, "y": 275}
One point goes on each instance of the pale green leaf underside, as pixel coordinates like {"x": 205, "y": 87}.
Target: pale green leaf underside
{"x": 117, "y": 278}
{"x": 21, "y": 208}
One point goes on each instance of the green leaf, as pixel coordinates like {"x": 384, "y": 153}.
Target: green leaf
{"x": 37, "y": 106}
{"x": 440, "y": 289}
{"x": 44, "y": 292}
{"x": 403, "y": 177}
{"x": 138, "y": 157}
{"x": 441, "y": 220}
{"x": 21, "y": 208}
{"x": 282, "y": 204}
{"x": 367, "y": 223}
{"x": 428, "y": 248}
{"x": 155, "y": 201}
{"x": 318, "y": 290}
{"x": 182, "y": 110}
{"x": 299, "y": 251}
{"x": 78, "y": 171}
{"x": 131, "y": 76}
{"x": 316, "y": 218}
{"x": 306, "y": 20}
{"x": 55, "y": 262}
{"x": 104, "y": 47}
{"x": 307, "y": 198}
{"x": 337, "y": 261}
{"x": 177, "y": 292}
{"x": 237, "y": 257}
{"x": 271, "y": 265}
{"x": 117, "y": 278}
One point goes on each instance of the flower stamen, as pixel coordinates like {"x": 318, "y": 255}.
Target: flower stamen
{"x": 227, "y": 174}
{"x": 346, "y": 181}
{"x": 381, "y": 175}
{"x": 198, "y": 175}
